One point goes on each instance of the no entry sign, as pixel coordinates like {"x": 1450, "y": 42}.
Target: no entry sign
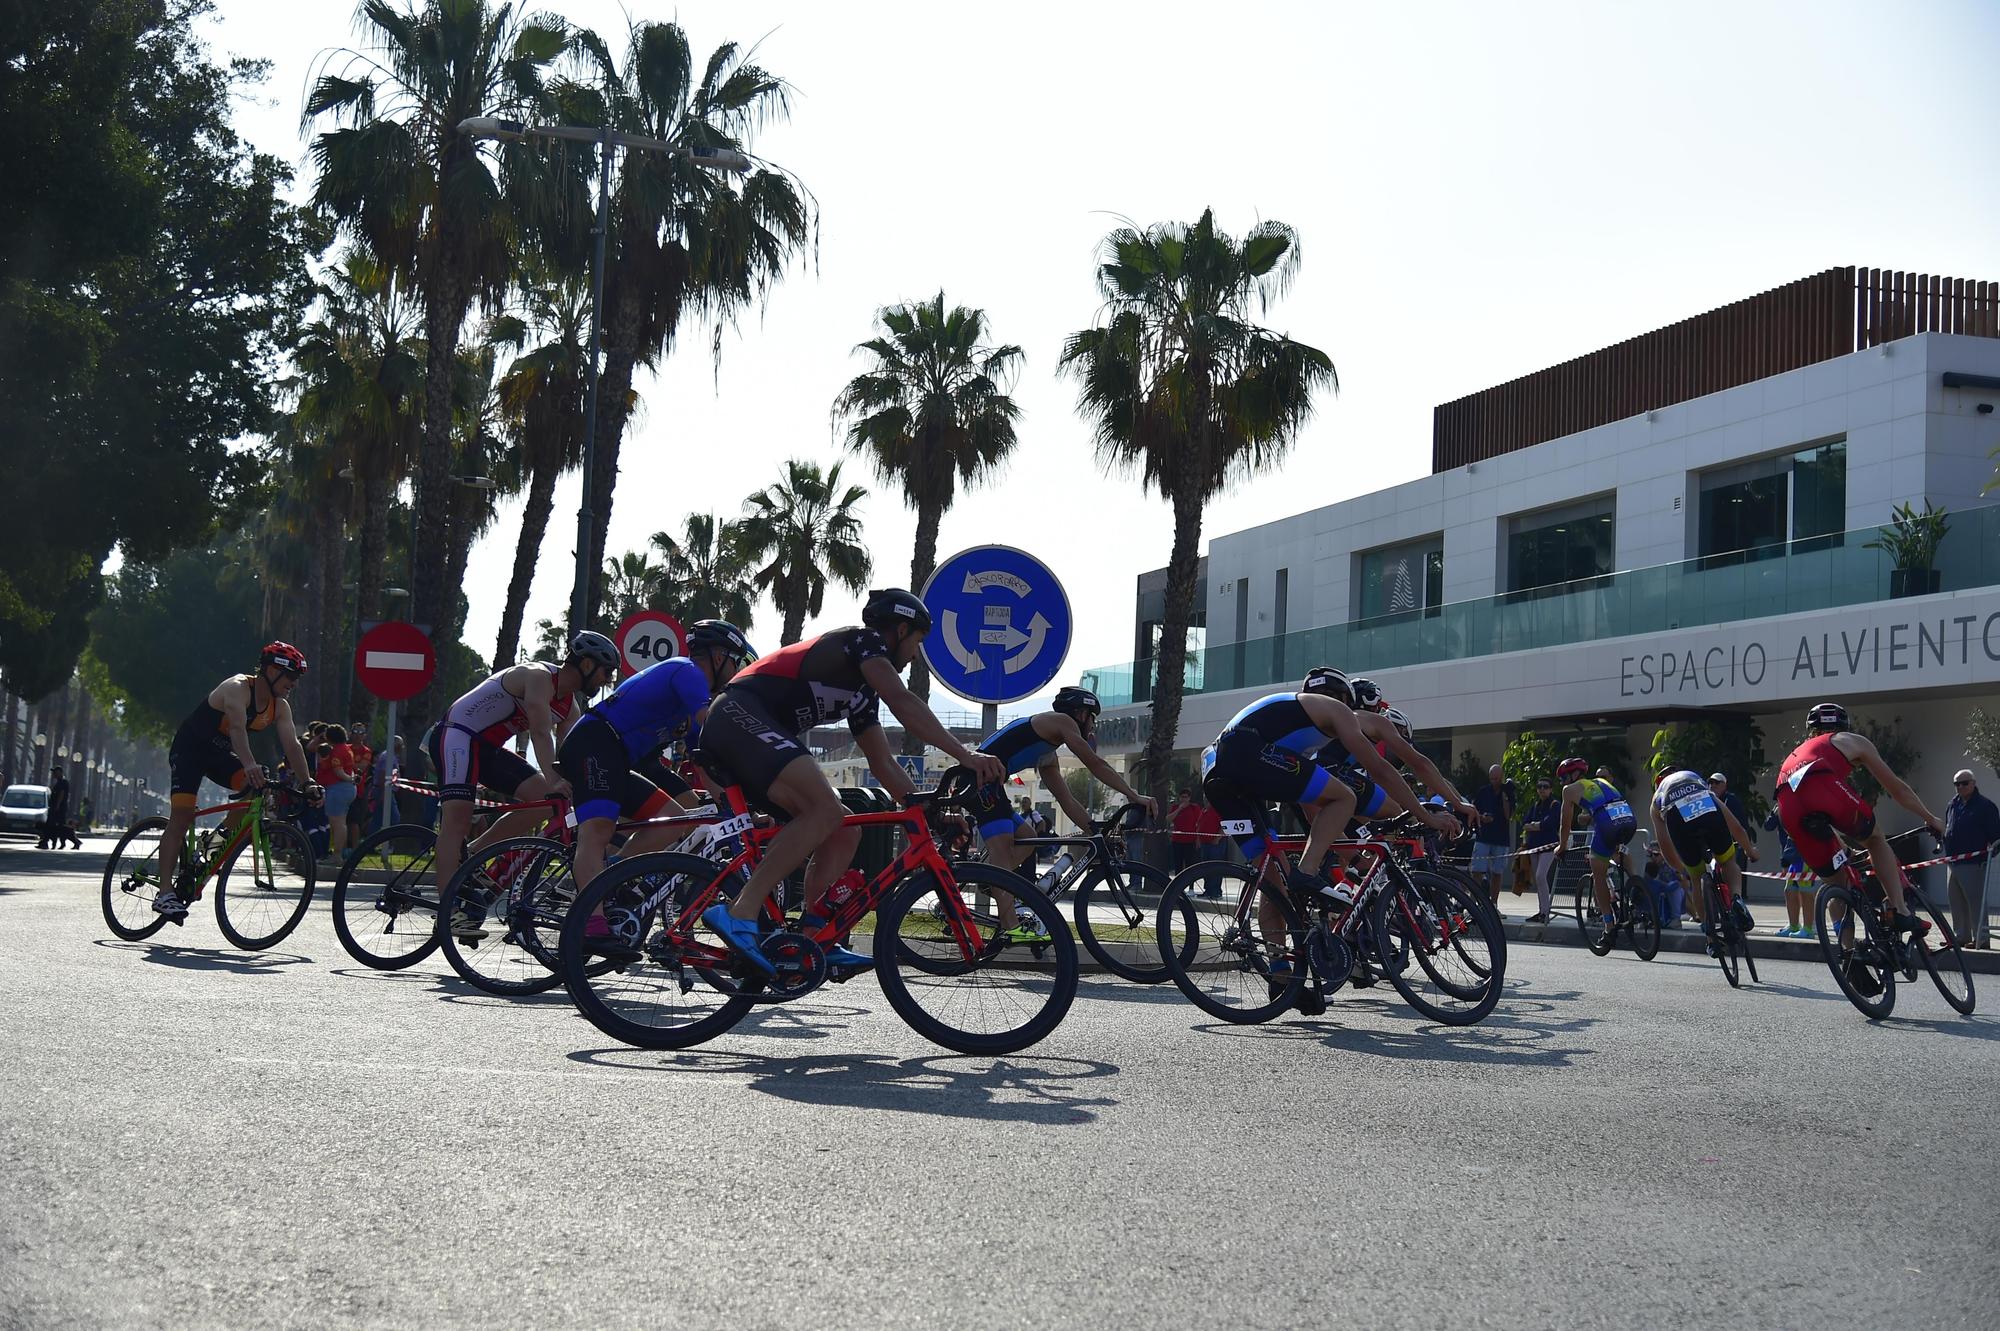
{"x": 394, "y": 660}
{"x": 646, "y": 636}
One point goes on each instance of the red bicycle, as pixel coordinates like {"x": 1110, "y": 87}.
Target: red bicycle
{"x": 663, "y": 980}
{"x": 1867, "y": 957}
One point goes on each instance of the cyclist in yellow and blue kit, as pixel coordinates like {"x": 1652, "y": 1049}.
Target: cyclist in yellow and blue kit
{"x": 1611, "y": 825}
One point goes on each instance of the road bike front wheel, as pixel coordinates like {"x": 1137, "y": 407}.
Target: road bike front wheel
{"x": 1946, "y": 962}
{"x": 1411, "y": 924}
{"x": 1854, "y": 949}
{"x": 1117, "y": 910}
{"x": 993, "y": 1001}
{"x": 132, "y": 880}
{"x": 262, "y": 894}
{"x": 523, "y": 883}
{"x": 1213, "y": 941}
{"x": 384, "y": 902}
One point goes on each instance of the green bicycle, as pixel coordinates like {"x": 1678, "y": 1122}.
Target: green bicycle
{"x": 261, "y": 862}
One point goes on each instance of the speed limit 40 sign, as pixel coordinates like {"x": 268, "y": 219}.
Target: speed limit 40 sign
{"x": 646, "y": 636}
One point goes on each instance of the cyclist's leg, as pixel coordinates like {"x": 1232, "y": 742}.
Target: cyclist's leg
{"x": 1331, "y": 805}
{"x": 1888, "y": 869}
{"x": 455, "y": 758}
{"x": 998, "y": 824}
{"x": 801, "y": 790}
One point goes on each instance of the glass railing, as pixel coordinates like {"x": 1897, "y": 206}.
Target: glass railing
{"x": 1644, "y": 600}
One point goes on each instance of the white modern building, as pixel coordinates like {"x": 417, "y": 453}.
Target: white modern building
{"x": 1673, "y": 528}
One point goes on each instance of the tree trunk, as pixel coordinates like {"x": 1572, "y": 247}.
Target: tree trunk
{"x": 58, "y": 727}
{"x": 795, "y": 623}
{"x": 1157, "y": 763}
{"x": 311, "y": 626}
{"x": 79, "y": 729}
{"x": 375, "y": 495}
{"x": 9, "y": 752}
{"x": 614, "y": 411}
{"x": 445, "y": 304}
{"x": 534, "y": 526}
{"x": 923, "y": 560}
{"x": 465, "y": 503}
{"x": 335, "y": 647}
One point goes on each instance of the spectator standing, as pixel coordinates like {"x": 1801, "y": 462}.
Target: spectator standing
{"x": 1718, "y": 785}
{"x": 1798, "y": 883}
{"x": 364, "y": 778}
{"x": 1208, "y": 841}
{"x": 1183, "y": 820}
{"x": 1669, "y": 893}
{"x": 54, "y": 822}
{"x": 336, "y": 775}
{"x": 85, "y": 813}
{"x": 1971, "y": 825}
{"x": 1539, "y": 826}
{"x": 1493, "y": 833}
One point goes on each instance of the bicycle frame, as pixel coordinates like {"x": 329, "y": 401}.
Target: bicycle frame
{"x": 252, "y": 827}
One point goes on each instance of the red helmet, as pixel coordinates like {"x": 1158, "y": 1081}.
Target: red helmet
{"x": 284, "y": 656}
{"x": 1571, "y": 768}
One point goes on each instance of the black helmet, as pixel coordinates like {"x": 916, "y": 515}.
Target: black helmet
{"x": 1072, "y": 700}
{"x": 1367, "y": 694}
{"x": 1328, "y": 683}
{"x": 1827, "y": 716}
{"x": 722, "y": 636}
{"x": 887, "y": 607}
{"x": 595, "y": 647}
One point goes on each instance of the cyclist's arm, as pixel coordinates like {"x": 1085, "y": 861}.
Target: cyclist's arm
{"x": 1051, "y": 773}
{"x": 537, "y": 689}
{"x": 1896, "y": 788}
{"x": 874, "y": 743}
{"x": 1073, "y": 740}
{"x": 1426, "y": 771}
{"x": 1339, "y": 722}
{"x": 1569, "y": 816}
{"x": 918, "y": 719}
{"x": 1736, "y": 832}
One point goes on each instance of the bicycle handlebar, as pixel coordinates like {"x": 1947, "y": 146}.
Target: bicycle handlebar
{"x": 953, "y": 788}
{"x": 1127, "y": 817}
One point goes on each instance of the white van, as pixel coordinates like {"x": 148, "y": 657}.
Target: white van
{"x": 23, "y": 810}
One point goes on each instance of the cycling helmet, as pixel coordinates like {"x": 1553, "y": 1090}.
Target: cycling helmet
{"x": 595, "y": 647}
{"x": 1367, "y": 695}
{"x": 1072, "y": 700}
{"x": 722, "y": 636}
{"x": 1827, "y": 716}
{"x": 888, "y": 606}
{"x": 1328, "y": 683}
{"x": 1569, "y": 769}
{"x": 1396, "y": 719}
{"x": 284, "y": 656}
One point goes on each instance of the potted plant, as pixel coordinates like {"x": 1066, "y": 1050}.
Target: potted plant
{"x": 1912, "y": 540}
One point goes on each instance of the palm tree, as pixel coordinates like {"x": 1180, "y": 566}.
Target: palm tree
{"x": 683, "y": 238}
{"x": 705, "y": 570}
{"x": 397, "y": 173}
{"x": 932, "y": 411}
{"x": 806, "y": 528}
{"x": 631, "y": 582}
{"x": 1181, "y": 385}
{"x": 541, "y": 412}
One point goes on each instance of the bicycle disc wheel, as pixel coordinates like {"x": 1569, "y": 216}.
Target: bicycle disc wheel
{"x": 1117, "y": 908}
{"x": 1645, "y": 920}
{"x": 1212, "y": 939}
{"x": 647, "y": 984}
{"x": 497, "y": 955}
{"x": 995, "y": 1000}
{"x": 1946, "y": 962}
{"x": 1869, "y": 957}
{"x": 1407, "y": 926}
{"x": 132, "y": 880}
{"x": 384, "y": 902}
{"x": 261, "y": 895}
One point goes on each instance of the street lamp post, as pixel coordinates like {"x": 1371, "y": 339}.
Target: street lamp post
{"x": 605, "y": 139}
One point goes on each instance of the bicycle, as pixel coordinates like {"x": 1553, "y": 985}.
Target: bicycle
{"x": 1226, "y": 966}
{"x": 1727, "y": 933}
{"x": 672, "y": 983}
{"x": 253, "y": 914}
{"x": 1636, "y": 909}
{"x": 1878, "y": 954}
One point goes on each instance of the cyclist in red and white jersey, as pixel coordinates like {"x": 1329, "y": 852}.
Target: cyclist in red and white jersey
{"x": 1815, "y": 800}
{"x": 469, "y": 749}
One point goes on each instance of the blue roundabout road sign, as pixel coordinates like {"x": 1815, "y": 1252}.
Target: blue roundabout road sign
{"x": 1000, "y": 624}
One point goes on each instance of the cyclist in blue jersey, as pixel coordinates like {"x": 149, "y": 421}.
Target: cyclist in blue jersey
{"x": 1392, "y": 736}
{"x": 1611, "y": 825}
{"x": 1035, "y": 741}
{"x": 612, "y": 755}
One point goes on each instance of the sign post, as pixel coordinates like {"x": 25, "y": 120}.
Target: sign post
{"x": 1001, "y": 626}
{"x": 648, "y": 636}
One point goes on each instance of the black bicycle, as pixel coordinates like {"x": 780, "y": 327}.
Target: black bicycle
{"x": 1117, "y": 899}
{"x": 1637, "y": 912}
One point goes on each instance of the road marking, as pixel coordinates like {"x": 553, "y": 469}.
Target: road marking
{"x": 375, "y": 660}
{"x": 352, "y": 1065}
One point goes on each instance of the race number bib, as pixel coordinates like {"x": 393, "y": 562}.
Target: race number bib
{"x": 1798, "y": 776}
{"x": 1695, "y": 805}
{"x": 1238, "y": 827}
{"x": 1840, "y": 859}
{"x": 1617, "y": 809}
{"x": 729, "y": 827}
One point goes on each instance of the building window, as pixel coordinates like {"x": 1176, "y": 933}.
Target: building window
{"x": 1560, "y": 545}
{"x": 1400, "y": 579}
{"x": 1759, "y": 510}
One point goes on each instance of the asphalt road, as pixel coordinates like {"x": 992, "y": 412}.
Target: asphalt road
{"x": 196, "y": 1137}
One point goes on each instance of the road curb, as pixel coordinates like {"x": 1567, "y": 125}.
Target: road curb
{"x": 1565, "y": 933}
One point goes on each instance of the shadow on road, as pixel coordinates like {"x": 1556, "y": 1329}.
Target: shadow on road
{"x": 24, "y": 861}
{"x": 1018, "y": 1088}
{"x": 1523, "y": 1031}
{"x": 207, "y": 959}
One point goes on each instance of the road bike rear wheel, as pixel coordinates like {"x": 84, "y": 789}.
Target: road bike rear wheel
{"x": 261, "y": 895}
{"x": 384, "y": 902}
{"x": 1212, "y": 941}
{"x": 132, "y": 880}
{"x": 1946, "y": 962}
{"x": 1643, "y": 919}
{"x": 529, "y": 880}
{"x": 656, "y": 986}
{"x": 1726, "y": 942}
{"x": 1117, "y": 917}
{"x": 994, "y": 1000}
{"x": 1408, "y": 924}
{"x": 1869, "y": 957}
{"x": 1596, "y": 937}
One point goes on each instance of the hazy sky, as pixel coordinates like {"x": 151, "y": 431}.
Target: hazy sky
{"x": 1480, "y": 189}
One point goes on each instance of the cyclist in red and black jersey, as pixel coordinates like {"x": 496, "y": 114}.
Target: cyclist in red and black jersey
{"x": 755, "y": 736}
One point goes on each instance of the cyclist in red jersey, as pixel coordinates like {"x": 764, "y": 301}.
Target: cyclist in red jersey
{"x": 1815, "y": 800}
{"x": 755, "y": 733}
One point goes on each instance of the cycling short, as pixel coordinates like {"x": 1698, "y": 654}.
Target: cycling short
{"x": 196, "y": 757}
{"x": 1368, "y": 797}
{"x": 598, "y": 767}
{"x": 1608, "y": 836}
{"x": 1247, "y": 775}
{"x": 1699, "y": 840}
{"x": 991, "y": 811}
{"x": 747, "y": 743}
{"x": 1819, "y": 808}
{"x": 466, "y": 761}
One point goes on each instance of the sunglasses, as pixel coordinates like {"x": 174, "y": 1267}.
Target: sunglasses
{"x": 1961, "y": 783}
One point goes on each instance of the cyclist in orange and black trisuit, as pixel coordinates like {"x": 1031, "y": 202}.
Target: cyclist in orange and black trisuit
{"x": 214, "y": 744}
